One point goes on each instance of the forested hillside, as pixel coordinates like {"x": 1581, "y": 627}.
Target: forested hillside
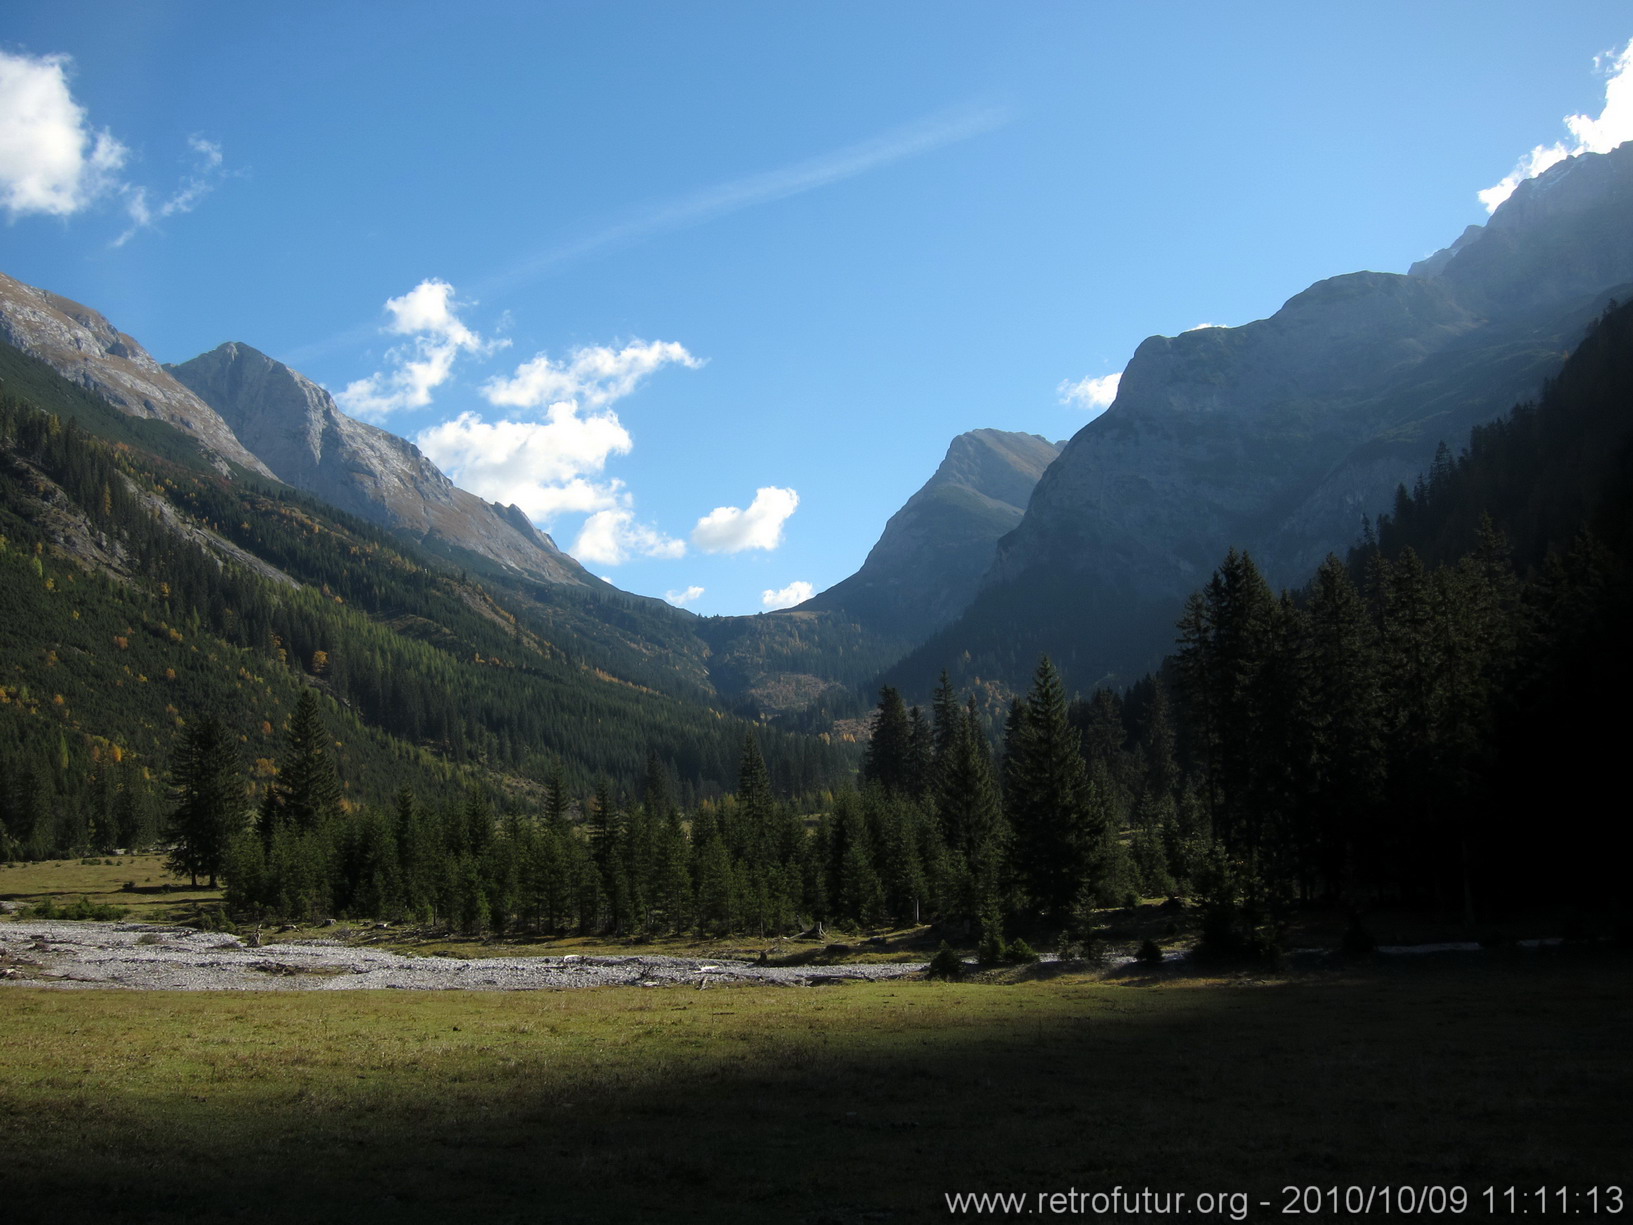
{"x": 145, "y": 591}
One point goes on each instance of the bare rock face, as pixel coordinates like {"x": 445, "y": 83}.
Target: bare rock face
{"x": 295, "y": 426}
{"x": 1217, "y": 435}
{"x": 1279, "y": 435}
{"x": 86, "y": 349}
{"x": 929, "y": 561}
{"x": 1561, "y": 237}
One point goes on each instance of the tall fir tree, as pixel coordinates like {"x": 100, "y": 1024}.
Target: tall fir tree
{"x": 305, "y": 794}
{"x": 207, "y": 776}
{"x": 889, "y": 760}
{"x": 1048, "y": 801}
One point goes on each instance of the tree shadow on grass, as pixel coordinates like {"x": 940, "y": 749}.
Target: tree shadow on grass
{"x": 863, "y": 1104}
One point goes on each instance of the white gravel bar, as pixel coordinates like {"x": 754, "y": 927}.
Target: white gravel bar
{"x": 147, "y": 957}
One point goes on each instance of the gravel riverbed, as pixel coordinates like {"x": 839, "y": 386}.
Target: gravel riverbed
{"x": 143, "y": 956}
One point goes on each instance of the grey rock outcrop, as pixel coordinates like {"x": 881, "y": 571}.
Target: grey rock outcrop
{"x": 295, "y": 426}
{"x": 86, "y": 349}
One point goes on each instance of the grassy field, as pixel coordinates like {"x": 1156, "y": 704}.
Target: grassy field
{"x": 821, "y": 1106}
{"x": 139, "y": 884}
{"x": 866, "y": 1102}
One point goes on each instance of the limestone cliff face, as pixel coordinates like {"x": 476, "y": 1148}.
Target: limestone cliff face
{"x": 1278, "y": 436}
{"x": 933, "y": 551}
{"x": 295, "y": 427}
{"x": 1218, "y": 436}
{"x": 86, "y": 349}
{"x": 1561, "y": 237}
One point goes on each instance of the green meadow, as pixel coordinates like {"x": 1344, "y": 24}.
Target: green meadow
{"x": 859, "y": 1102}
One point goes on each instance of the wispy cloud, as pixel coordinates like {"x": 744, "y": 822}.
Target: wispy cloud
{"x": 1588, "y": 135}
{"x": 922, "y": 136}
{"x": 1094, "y": 394}
{"x": 204, "y": 178}
{"x": 596, "y": 374}
{"x": 925, "y": 135}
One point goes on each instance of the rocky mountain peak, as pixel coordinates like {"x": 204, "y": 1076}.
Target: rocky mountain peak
{"x": 1561, "y": 237}
{"x": 997, "y": 464}
{"x": 1279, "y": 435}
{"x": 294, "y": 425}
{"x": 85, "y": 348}
{"x": 930, "y": 557}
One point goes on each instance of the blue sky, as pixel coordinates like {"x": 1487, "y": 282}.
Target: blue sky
{"x": 708, "y": 288}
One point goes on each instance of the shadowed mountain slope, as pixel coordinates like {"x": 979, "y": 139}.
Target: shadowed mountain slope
{"x": 930, "y": 558}
{"x": 1280, "y": 435}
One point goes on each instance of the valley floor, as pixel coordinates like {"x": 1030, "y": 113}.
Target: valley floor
{"x": 868, "y": 1100}
{"x": 864, "y": 1102}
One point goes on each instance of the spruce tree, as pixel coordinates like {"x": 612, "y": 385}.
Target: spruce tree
{"x": 208, "y": 779}
{"x": 756, "y": 806}
{"x": 1347, "y": 724}
{"x": 1048, "y": 801}
{"x": 947, "y": 720}
{"x": 971, "y": 814}
{"x": 888, "y": 760}
{"x": 920, "y": 755}
{"x": 305, "y": 795}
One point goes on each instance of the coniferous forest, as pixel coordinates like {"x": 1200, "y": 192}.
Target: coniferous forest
{"x": 742, "y": 614}
{"x": 297, "y": 703}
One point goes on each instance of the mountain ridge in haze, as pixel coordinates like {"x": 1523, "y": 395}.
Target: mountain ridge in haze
{"x": 927, "y": 563}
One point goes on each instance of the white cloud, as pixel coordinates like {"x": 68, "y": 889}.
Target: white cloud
{"x": 544, "y": 466}
{"x": 680, "y": 599}
{"x": 539, "y": 466}
{"x": 1094, "y": 394}
{"x": 1528, "y": 167}
{"x": 612, "y": 537}
{"x": 51, "y": 160}
{"x": 597, "y": 375}
{"x": 796, "y": 592}
{"x": 427, "y": 314}
{"x": 1588, "y": 135}
{"x": 568, "y": 443}
{"x": 730, "y": 529}
{"x": 1203, "y": 326}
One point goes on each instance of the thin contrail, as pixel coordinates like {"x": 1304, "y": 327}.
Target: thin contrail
{"x": 910, "y": 140}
